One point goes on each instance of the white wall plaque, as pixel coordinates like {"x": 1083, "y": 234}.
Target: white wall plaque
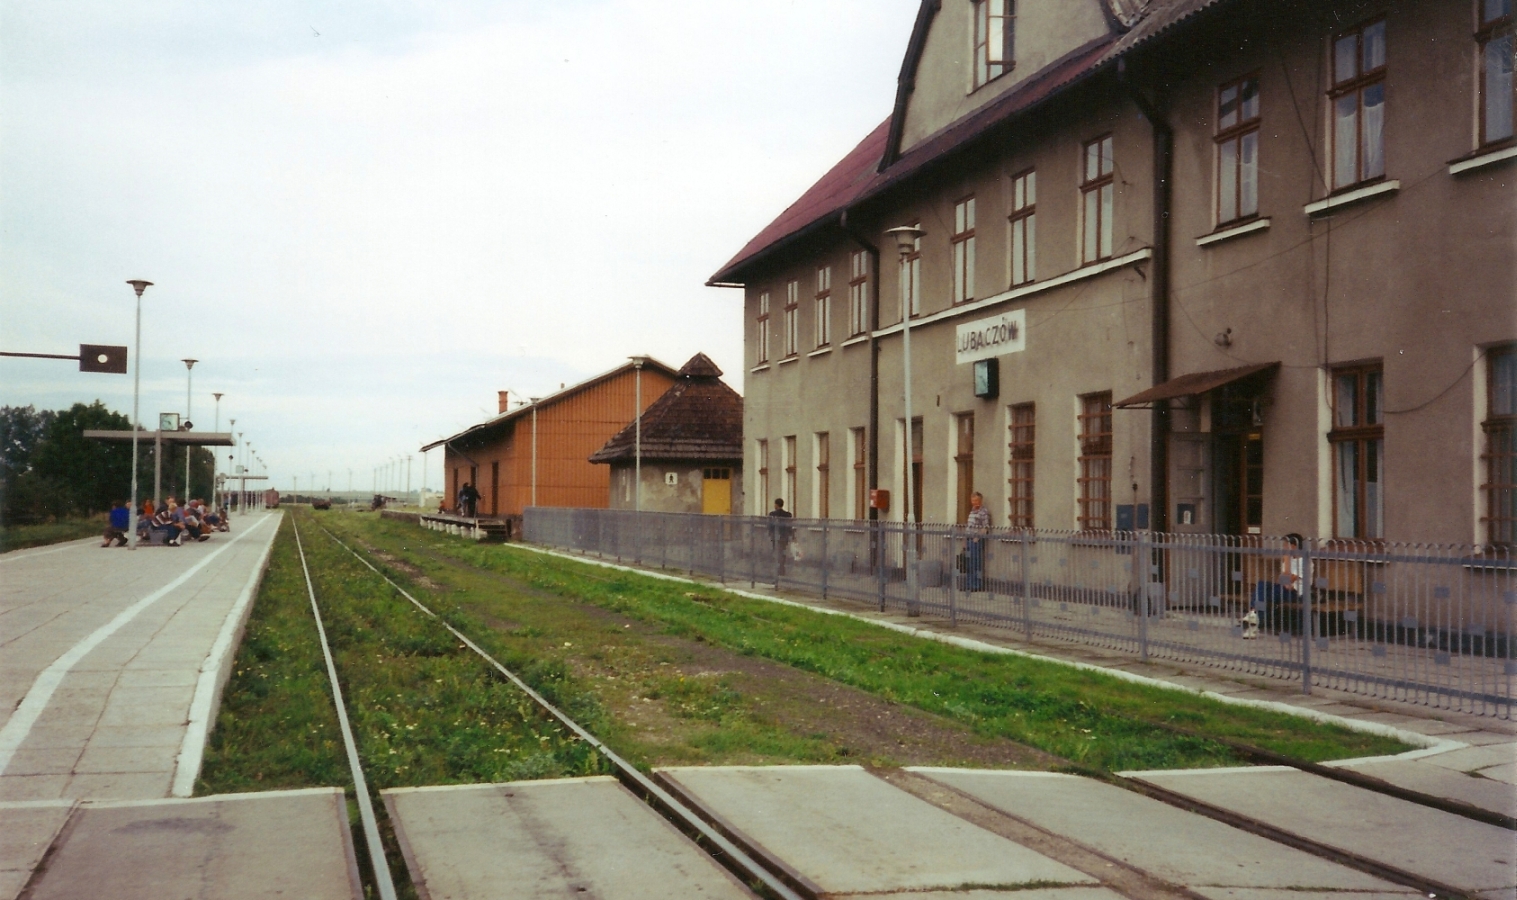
{"x": 995, "y": 336}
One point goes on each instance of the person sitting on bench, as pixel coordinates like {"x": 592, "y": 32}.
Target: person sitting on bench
{"x": 1275, "y": 598}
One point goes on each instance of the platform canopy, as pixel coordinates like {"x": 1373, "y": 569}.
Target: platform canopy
{"x": 192, "y": 438}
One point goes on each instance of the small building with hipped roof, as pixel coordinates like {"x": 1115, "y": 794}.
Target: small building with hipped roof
{"x": 691, "y": 448}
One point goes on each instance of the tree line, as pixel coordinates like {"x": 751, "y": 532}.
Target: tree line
{"x": 49, "y": 470}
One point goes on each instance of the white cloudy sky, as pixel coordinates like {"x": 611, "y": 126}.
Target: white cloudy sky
{"x": 365, "y": 218}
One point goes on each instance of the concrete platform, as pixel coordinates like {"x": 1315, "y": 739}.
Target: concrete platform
{"x": 1428, "y": 777}
{"x": 559, "y": 838}
{"x": 237, "y": 846}
{"x": 848, "y": 832}
{"x": 112, "y": 661}
{"x": 1459, "y": 852}
{"x": 1210, "y": 858}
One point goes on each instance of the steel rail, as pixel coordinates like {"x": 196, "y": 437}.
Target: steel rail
{"x": 378, "y": 863}
{"x": 725, "y": 851}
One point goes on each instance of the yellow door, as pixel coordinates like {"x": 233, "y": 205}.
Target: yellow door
{"x": 716, "y": 492}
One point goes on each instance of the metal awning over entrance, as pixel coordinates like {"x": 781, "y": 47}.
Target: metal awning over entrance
{"x": 1195, "y": 383}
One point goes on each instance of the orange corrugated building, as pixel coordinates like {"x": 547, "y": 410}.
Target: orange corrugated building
{"x": 496, "y": 455}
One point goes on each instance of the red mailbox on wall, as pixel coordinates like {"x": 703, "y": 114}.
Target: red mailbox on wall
{"x": 879, "y": 499}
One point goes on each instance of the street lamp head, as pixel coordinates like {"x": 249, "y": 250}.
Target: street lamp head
{"x": 637, "y": 361}
{"x": 906, "y": 237}
{"x": 217, "y": 396}
{"x": 139, "y": 285}
{"x": 189, "y": 363}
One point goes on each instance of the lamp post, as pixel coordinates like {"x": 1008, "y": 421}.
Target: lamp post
{"x": 138, "y": 285}
{"x": 408, "y": 479}
{"x": 189, "y": 381}
{"x": 906, "y": 238}
{"x": 534, "y": 448}
{"x": 637, "y": 433}
{"x": 215, "y": 430}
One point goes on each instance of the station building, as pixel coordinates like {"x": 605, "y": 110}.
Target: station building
{"x": 690, "y": 443}
{"x": 538, "y": 453}
{"x": 1206, "y": 266}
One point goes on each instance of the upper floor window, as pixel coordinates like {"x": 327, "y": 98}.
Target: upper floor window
{"x": 823, "y": 306}
{"x": 911, "y": 279}
{"x": 1358, "y": 104}
{"x": 1500, "y": 456}
{"x": 1024, "y": 227}
{"x": 763, "y": 327}
{"x": 995, "y": 23}
{"x": 858, "y": 292}
{"x": 1096, "y": 189}
{"x": 1498, "y": 48}
{"x": 792, "y": 318}
{"x": 1238, "y": 149}
{"x": 1358, "y": 441}
{"x": 963, "y": 250}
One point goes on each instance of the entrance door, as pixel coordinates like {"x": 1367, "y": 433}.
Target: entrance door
{"x": 1239, "y": 472}
{"x": 716, "y": 492}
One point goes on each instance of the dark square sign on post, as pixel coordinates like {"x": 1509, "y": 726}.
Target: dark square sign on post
{"x": 102, "y": 358}
{"x": 987, "y": 378}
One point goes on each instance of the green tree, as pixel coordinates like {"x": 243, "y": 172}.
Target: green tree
{"x": 89, "y": 474}
{"x": 24, "y": 495}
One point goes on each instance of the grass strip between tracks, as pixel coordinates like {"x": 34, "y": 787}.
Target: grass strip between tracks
{"x": 1089, "y": 718}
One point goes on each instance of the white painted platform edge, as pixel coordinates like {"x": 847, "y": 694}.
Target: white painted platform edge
{"x": 37, "y": 696}
{"x": 495, "y": 785}
{"x": 810, "y": 767}
{"x": 37, "y": 804}
{"x": 30, "y": 552}
{"x": 212, "y": 798}
{"x": 215, "y": 670}
{"x": 1220, "y": 770}
{"x": 1431, "y": 745}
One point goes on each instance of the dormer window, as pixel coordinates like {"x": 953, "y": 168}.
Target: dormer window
{"x": 995, "y": 23}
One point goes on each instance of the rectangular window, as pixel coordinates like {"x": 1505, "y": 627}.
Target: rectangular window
{"x": 858, "y": 292}
{"x": 1096, "y": 190}
{"x": 1021, "y": 433}
{"x": 763, "y": 327}
{"x": 1500, "y": 456}
{"x": 995, "y": 23}
{"x": 789, "y": 460}
{"x": 911, "y": 281}
{"x": 824, "y": 306}
{"x": 764, "y": 497}
{"x": 1358, "y": 105}
{"x": 823, "y": 475}
{"x": 963, "y": 250}
{"x": 916, "y": 470}
{"x": 963, "y": 461}
{"x": 1498, "y": 48}
{"x": 1238, "y": 150}
{"x": 1095, "y": 462}
{"x": 1358, "y": 442}
{"x": 860, "y": 474}
{"x": 1024, "y": 227}
{"x": 792, "y": 318}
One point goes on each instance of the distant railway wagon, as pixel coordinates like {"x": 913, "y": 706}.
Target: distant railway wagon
{"x": 271, "y": 498}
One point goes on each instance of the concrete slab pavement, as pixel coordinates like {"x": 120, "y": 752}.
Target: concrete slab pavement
{"x": 242, "y": 846}
{"x": 112, "y": 661}
{"x": 562, "y": 837}
{"x": 1447, "y": 848}
{"x": 848, "y": 832}
{"x": 1210, "y": 858}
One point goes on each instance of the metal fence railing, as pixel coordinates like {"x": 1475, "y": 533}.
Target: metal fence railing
{"x": 1429, "y": 624}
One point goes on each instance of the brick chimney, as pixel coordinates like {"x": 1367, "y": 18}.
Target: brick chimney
{"x": 503, "y": 401}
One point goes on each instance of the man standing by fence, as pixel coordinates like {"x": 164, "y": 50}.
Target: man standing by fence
{"x": 781, "y": 533}
{"x": 977, "y": 523}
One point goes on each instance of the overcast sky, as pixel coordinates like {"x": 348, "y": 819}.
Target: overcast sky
{"x": 365, "y": 218}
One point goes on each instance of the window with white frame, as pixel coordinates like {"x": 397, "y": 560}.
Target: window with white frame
{"x": 860, "y": 448}
{"x": 823, "y": 306}
{"x": 1097, "y": 189}
{"x": 822, "y": 448}
{"x": 995, "y": 23}
{"x": 792, "y": 318}
{"x": 1024, "y": 227}
{"x": 762, "y": 354}
{"x": 764, "y": 497}
{"x": 1358, "y": 441}
{"x": 1238, "y": 150}
{"x": 911, "y": 281}
{"x": 1498, "y": 49}
{"x": 789, "y": 461}
{"x": 858, "y": 292}
{"x": 963, "y": 250}
{"x": 1358, "y": 105}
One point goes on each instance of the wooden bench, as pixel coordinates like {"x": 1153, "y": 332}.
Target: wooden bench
{"x": 1337, "y": 585}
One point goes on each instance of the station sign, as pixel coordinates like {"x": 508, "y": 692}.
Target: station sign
{"x": 987, "y": 338}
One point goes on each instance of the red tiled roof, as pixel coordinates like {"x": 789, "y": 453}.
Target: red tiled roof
{"x": 699, "y": 418}
{"x": 858, "y": 176}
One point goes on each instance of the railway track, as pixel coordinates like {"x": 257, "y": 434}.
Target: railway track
{"x": 772, "y": 876}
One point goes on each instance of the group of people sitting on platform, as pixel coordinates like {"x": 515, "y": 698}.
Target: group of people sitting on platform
{"x": 174, "y": 523}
